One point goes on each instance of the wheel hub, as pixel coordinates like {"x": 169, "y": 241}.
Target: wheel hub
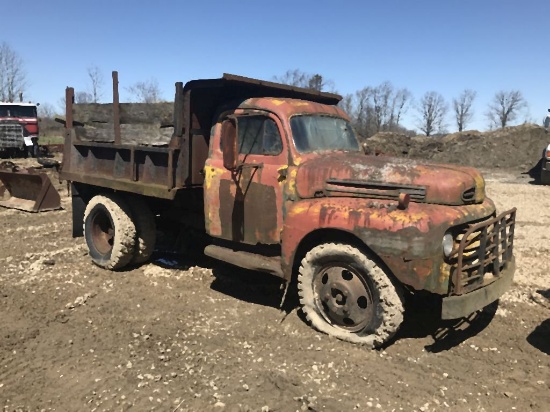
{"x": 343, "y": 297}
{"x": 102, "y": 233}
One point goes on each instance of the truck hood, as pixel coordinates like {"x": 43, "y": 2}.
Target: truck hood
{"x": 357, "y": 175}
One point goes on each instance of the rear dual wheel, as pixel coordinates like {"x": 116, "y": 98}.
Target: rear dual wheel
{"x": 146, "y": 230}
{"x": 117, "y": 232}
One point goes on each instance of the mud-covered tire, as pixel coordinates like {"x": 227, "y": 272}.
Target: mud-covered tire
{"x": 345, "y": 294}
{"x": 109, "y": 231}
{"x": 146, "y": 230}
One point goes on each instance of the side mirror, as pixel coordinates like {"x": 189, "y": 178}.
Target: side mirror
{"x": 229, "y": 144}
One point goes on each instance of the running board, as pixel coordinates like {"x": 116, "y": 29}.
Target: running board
{"x": 247, "y": 260}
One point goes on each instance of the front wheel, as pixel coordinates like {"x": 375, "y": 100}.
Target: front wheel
{"x": 345, "y": 294}
{"x": 109, "y": 231}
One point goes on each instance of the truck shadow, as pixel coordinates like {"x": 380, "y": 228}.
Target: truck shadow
{"x": 534, "y": 173}
{"x": 246, "y": 285}
{"x": 242, "y": 284}
{"x": 423, "y": 319}
{"x": 540, "y": 337}
{"x": 422, "y": 312}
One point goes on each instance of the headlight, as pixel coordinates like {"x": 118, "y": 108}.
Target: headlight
{"x": 448, "y": 243}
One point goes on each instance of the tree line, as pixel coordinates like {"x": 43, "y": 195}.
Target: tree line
{"x": 372, "y": 109}
{"x": 381, "y": 108}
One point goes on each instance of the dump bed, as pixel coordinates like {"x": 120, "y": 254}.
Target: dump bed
{"x": 150, "y": 149}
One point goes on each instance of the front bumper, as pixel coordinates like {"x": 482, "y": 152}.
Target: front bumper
{"x": 455, "y": 307}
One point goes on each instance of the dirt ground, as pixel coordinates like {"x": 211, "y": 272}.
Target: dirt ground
{"x": 190, "y": 334}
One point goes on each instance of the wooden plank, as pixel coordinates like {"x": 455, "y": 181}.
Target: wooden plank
{"x": 130, "y": 113}
{"x": 139, "y": 134}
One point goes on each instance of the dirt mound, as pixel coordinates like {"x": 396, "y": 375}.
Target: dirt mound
{"x": 517, "y": 147}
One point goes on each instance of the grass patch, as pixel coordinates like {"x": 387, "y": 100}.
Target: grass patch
{"x": 50, "y": 140}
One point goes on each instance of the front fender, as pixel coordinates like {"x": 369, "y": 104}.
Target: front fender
{"x": 408, "y": 241}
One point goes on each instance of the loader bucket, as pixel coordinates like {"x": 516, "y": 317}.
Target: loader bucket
{"x": 28, "y": 190}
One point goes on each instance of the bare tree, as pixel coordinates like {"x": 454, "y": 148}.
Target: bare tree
{"x": 96, "y": 82}
{"x": 145, "y": 92}
{"x": 401, "y": 101}
{"x": 79, "y": 98}
{"x": 462, "y": 107}
{"x": 363, "y": 113}
{"x": 347, "y": 104}
{"x": 46, "y": 111}
{"x": 381, "y": 97}
{"x": 12, "y": 75}
{"x": 300, "y": 79}
{"x": 379, "y": 108}
{"x": 293, "y": 78}
{"x": 432, "y": 110}
{"x": 505, "y": 107}
{"x": 315, "y": 82}
{"x": 82, "y": 97}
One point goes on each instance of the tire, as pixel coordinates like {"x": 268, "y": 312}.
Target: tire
{"x": 109, "y": 231}
{"x": 146, "y": 230}
{"x": 33, "y": 150}
{"x": 345, "y": 294}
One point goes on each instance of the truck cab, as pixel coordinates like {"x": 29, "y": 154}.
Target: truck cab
{"x": 291, "y": 173}
{"x": 19, "y": 128}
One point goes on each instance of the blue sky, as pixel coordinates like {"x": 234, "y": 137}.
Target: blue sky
{"x": 445, "y": 46}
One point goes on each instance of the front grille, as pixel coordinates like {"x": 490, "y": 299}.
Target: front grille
{"x": 11, "y": 135}
{"x": 482, "y": 250}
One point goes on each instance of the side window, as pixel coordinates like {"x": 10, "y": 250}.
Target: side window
{"x": 258, "y": 135}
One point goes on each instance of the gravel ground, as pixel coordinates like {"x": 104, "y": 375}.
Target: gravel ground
{"x": 190, "y": 334}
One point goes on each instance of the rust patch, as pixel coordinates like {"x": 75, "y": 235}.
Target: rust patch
{"x": 251, "y": 214}
{"x": 409, "y": 241}
{"x": 349, "y": 174}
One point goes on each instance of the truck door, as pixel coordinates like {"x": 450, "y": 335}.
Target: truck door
{"x": 245, "y": 204}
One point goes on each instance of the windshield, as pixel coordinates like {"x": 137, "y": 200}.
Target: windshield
{"x": 13, "y": 110}
{"x": 320, "y": 133}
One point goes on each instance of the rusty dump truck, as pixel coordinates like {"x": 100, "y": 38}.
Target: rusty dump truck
{"x": 275, "y": 177}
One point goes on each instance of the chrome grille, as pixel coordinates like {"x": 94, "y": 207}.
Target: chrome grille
{"x": 481, "y": 251}
{"x": 11, "y": 135}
